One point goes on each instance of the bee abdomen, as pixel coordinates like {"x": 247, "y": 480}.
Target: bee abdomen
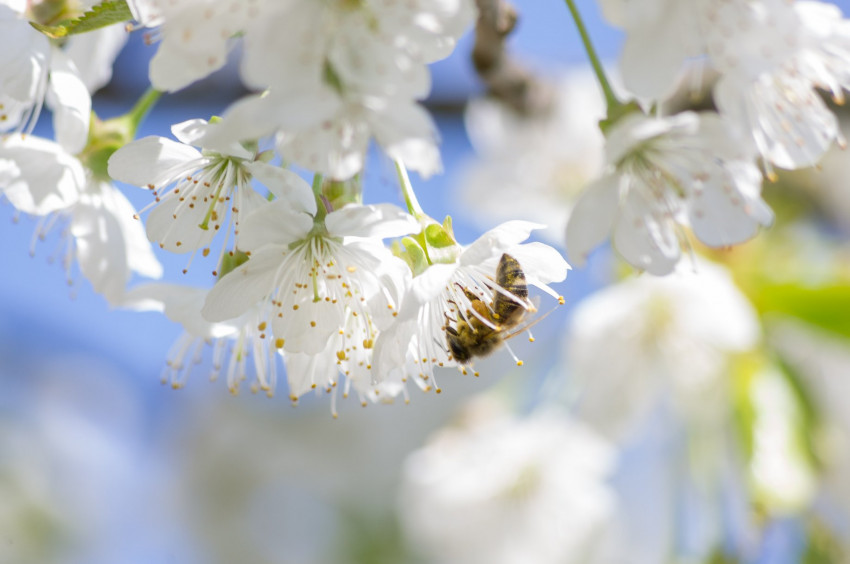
{"x": 509, "y": 275}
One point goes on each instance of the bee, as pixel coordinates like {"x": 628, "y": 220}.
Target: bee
{"x": 487, "y": 326}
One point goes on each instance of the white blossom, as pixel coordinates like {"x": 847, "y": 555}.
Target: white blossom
{"x": 662, "y": 174}
{"x": 673, "y": 335}
{"x": 417, "y": 342}
{"x": 772, "y": 57}
{"x": 34, "y": 72}
{"x": 502, "y": 489}
{"x": 195, "y": 36}
{"x": 344, "y": 73}
{"x": 40, "y": 178}
{"x": 197, "y": 192}
{"x": 319, "y": 281}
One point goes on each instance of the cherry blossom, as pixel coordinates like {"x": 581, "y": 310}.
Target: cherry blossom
{"x": 663, "y": 174}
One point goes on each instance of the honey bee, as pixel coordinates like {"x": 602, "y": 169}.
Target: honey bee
{"x": 484, "y": 329}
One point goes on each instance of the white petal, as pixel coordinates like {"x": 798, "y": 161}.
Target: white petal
{"x": 496, "y": 241}
{"x": 195, "y": 132}
{"x": 181, "y": 304}
{"x": 70, "y": 101}
{"x": 305, "y": 371}
{"x": 653, "y": 58}
{"x": 38, "y": 176}
{"x": 541, "y": 263}
{"x": 101, "y": 249}
{"x": 379, "y": 221}
{"x": 789, "y": 121}
{"x": 274, "y": 223}
{"x": 152, "y": 160}
{"x": 592, "y": 219}
{"x": 406, "y": 132}
{"x": 140, "y": 256}
{"x": 728, "y": 209}
{"x": 284, "y": 184}
{"x": 645, "y": 238}
{"x": 176, "y": 226}
{"x": 94, "y": 53}
{"x": 308, "y": 328}
{"x": 243, "y": 287}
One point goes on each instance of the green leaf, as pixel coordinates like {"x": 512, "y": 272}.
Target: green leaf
{"x": 824, "y": 306}
{"x": 104, "y": 14}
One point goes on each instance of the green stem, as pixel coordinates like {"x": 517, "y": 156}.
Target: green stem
{"x": 142, "y": 108}
{"x": 610, "y": 99}
{"x": 318, "y": 180}
{"x": 413, "y": 206}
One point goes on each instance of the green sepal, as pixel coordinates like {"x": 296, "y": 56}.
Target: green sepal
{"x": 231, "y": 260}
{"x": 447, "y": 227}
{"x": 340, "y": 193}
{"x": 411, "y": 253}
{"x": 104, "y": 14}
{"x": 616, "y": 113}
{"x": 441, "y": 244}
{"x": 105, "y": 137}
{"x": 331, "y": 78}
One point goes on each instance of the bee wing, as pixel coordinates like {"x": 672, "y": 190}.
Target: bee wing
{"x": 531, "y": 322}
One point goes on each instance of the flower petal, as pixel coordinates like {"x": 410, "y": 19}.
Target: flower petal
{"x": 175, "y": 225}
{"x": 645, "y": 238}
{"x": 275, "y": 223}
{"x": 496, "y": 241}
{"x": 284, "y": 184}
{"x": 153, "y": 161}
{"x": 379, "y": 221}
{"x": 592, "y": 218}
{"x": 243, "y": 287}
{"x": 70, "y": 101}
{"x": 38, "y": 176}
{"x": 140, "y": 256}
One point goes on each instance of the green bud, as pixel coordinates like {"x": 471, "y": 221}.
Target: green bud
{"x": 341, "y": 192}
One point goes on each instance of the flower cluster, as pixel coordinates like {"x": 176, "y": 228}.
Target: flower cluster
{"x": 303, "y": 272}
{"x": 343, "y": 72}
{"x": 666, "y": 175}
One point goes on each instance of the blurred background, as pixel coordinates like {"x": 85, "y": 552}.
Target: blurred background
{"x": 697, "y": 419}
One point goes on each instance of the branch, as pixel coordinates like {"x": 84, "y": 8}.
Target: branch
{"x": 505, "y": 78}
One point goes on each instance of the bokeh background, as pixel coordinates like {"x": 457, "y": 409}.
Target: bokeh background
{"x": 100, "y": 463}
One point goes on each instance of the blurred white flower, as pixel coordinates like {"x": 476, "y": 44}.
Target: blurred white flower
{"x": 24, "y": 61}
{"x": 772, "y": 56}
{"x": 501, "y": 489}
{"x": 534, "y": 167}
{"x": 41, "y": 178}
{"x": 417, "y": 342}
{"x": 32, "y": 72}
{"x": 647, "y": 340}
{"x": 821, "y": 360}
{"x": 343, "y": 73}
{"x": 664, "y": 173}
{"x": 195, "y": 36}
{"x": 372, "y": 46}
